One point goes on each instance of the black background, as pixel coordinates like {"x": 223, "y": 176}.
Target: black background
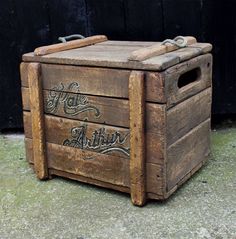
{"x": 27, "y": 24}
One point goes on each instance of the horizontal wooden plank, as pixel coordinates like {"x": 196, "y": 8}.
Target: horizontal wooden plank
{"x": 69, "y": 163}
{"x": 96, "y": 109}
{"x": 88, "y": 180}
{"x": 187, "y": 153}
{"x": 97, "y": 81}
{"x": 73, "y": 132}
{"x": 187, "y": 115}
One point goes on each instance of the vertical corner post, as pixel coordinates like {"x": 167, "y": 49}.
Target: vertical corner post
{"x": 137, "y": 138}
{"x": 37, "y": 117}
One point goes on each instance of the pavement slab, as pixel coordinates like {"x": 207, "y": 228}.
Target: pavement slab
{"x": 204, "y": 207}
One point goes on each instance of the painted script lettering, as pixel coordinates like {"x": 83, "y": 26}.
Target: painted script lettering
{"x": 73, "y": 104}
{"x": 101, "y": 141}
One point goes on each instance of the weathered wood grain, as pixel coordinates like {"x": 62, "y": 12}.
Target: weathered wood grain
{"x": 137, "y": 137}
{"x": 111, "y": 111}
{"x": 187, "y": 153}
{"x": 60, "y": 159}
{"x": 59, "y": 129}
{"x": 160, "y": 87}
{"x": 44, "y": 50}
{"x": 37, "y": 120}
{"x": 98, "y": 81}
{"x": 102, "y": 167}
{"x": 187, "y": 115}
{"x": 88, "y": 180}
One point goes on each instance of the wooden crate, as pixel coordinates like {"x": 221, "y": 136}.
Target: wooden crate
{"x": 137, "y": 126}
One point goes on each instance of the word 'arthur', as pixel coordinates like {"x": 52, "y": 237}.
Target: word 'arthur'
{"x": 100, "y": 141}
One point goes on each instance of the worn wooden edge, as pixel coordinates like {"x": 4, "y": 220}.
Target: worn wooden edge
{"x": 37, "y": 116}
{"x": 137, "y": 137}
{"x": 156, "y": 50}
{"x": 89, "y": 180}
{"x": 44, "y": 50}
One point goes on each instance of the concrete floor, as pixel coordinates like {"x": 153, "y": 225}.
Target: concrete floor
{"x": 205, "y": 206}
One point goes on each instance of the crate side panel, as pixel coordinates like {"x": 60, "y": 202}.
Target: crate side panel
{"x": 187, "y": 153}
{"x": 187, "y": 115}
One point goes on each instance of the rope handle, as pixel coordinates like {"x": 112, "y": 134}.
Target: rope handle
{"x": 70, "y": 37}
{"x": 178, "y": 41}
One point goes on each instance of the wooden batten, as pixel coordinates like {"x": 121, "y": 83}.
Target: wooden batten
{"x": 41, "y": 51}
{"x": 137, "y": 138}
{"x": 157, "y": 49}
{"x": 37, "y": 115}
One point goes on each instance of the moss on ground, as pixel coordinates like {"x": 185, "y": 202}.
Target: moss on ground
{"x": 204, "y": 207}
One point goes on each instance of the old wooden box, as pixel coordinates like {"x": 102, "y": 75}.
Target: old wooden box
{"x": 94, "y": 114}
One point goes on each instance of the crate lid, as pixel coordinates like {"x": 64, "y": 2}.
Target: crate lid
{"x": 116, "y": 54}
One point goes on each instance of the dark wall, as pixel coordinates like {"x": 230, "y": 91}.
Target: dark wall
{"x": 27, "y": 24}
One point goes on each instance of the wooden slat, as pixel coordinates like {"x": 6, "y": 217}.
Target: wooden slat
{"x": 37, "y": 115}
{"x": 156, "y": 50}
{"x": 137, "y": 138}
{"x": 62, "y": 165}
{"x": 187, "y": 115}
{"x": 89, "y": 180}
{"x": 99, "y": 81}
{"x": 58, "y": 129}
{"x": 69, "y": 45}
{"x": 112, "y": 111}
{"x": 102, "y": 167}
{"x": 188, "y": 152}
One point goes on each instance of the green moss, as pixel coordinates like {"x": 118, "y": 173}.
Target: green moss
{"x": 204, "y": 207}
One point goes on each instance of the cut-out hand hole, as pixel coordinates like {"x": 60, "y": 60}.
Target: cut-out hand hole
{"x": 189, "y": 77}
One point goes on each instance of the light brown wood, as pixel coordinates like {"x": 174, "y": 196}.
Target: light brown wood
{"x": 186, "y": 153}
{"x": 40, "y": 51}
{"x": 137, "y": 138}
{"x": 156, "y": 50}
{"x": 37, "y": 115}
